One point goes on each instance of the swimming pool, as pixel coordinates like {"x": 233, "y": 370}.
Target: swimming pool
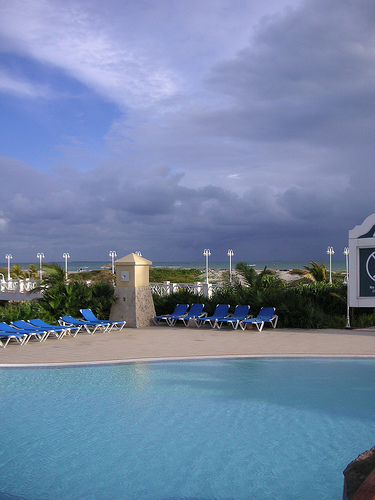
{"x": 256, "y": 428}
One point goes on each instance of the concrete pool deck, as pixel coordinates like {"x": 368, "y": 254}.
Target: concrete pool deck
{"x": 158, "y": 342}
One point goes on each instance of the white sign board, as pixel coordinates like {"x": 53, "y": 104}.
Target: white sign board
{"x": 124, "y": 275}
{"x": 362, "y": 264}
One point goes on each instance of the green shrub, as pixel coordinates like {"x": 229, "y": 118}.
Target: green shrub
{"x": 12, "y": 311}
{"x": 98, "y": 275}
{"x": 362, "y": 318}
{"x": 161, "y": 274}
{"x": 68, "y": 299}
{"x": 313, "y": 305}
{"x": 167, "y": 303}
{"x": 335, "y": 322}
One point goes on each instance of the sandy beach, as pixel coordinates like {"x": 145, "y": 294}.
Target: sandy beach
{"x": 158, "y": 342}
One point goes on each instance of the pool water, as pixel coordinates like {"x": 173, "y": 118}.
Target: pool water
{"x": 223, "y": 429}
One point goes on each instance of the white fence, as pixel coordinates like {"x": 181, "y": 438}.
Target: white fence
{"x": 18, "y": 290}
{"x": 166, "y": 288}
{"x": 162, "y": 289}
{"x": 17, "y": 286}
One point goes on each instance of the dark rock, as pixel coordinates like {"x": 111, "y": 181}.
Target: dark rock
{"x": 357, "y": 472}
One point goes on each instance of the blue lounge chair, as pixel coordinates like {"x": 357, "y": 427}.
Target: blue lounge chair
{"x": 90, "y": 316}
{"x": 5, "y": 338}
{"x": 221, "y": 311}
{"x": 24, "y": 325}
{"x": 87, "y": 325}
{"x": 70, "y": 330}
{"x": 180, "y": 310}
{"x": 240, "y": 314}
{"x": 195, "y": 311}
{"x": 266, "y": 315}
{"x": 38, "y": 334}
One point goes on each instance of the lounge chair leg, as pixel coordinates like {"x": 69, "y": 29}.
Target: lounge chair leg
{"x": 274, "y": 321}
{"x": 260, "y": 326}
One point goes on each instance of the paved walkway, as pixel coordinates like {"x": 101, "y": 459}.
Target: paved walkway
{"x": 177, "y": 342}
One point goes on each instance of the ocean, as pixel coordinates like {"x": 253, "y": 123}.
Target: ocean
{"x": 258, "y": 265}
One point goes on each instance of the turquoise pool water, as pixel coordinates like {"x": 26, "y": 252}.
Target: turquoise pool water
{"x": 222, "y": 429}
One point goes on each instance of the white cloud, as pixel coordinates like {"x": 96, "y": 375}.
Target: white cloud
{"x": 22, "y": 88}
{"x": 71, "y": 37}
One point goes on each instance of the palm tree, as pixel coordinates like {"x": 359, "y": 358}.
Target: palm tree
{"x": 247, "y": 272}
{"x": 258, "y": 281}
{"x": 54, "y": 275}
{"x": 33, "y": 271}
{"x": 315, "y": 272}
{"x": 17, "y": 272}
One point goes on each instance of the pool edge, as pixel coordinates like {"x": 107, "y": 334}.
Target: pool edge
{"x": 181, "y": 358}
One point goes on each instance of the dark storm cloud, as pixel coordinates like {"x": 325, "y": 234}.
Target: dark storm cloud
{"x": 308, "y": 75}
{"x": 177, "y": 218}
{"x": 308, "y": 79}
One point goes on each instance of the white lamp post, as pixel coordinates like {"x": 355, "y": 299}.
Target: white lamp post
{"x": 66, "y": 256}
{"x": 346, "y": 253}
{"x": 230, "y": 255}
{"x": 206, "y": 253}
{"x": 113, "y": 254}
{"x": 8, "y": 256}
{"x": 330, "y": 252}
{"x": 40, "y": 256}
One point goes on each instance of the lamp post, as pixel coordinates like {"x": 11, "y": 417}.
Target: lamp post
{"x": 113, "y": 254}
{"x": 66, "y": 256}
{"x": 230, "y": 255}
{"x": 8, "y": 256}
{"x": 346, "y": 253}
{"x": 206, "y": 253}
{"x": 40, "y": 256}
{"x": 330, "y": 252}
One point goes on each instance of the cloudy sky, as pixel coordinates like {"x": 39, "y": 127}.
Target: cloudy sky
{"x": 170, "y": 126}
